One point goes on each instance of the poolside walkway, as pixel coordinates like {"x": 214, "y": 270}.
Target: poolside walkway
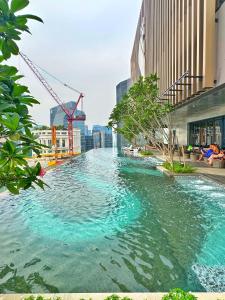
{"x": 203, "y": 169}
{"x": 102, "y": 296}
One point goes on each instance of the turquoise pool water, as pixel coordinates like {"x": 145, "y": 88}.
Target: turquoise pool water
{"x": 113, "y": 223}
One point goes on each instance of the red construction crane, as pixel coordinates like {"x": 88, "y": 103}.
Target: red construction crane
{"x": 69, "y": 112}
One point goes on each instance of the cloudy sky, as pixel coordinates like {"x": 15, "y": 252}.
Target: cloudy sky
{"x": 85, "y": 43}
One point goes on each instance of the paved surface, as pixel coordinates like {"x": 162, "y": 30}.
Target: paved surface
{"x": 202, "y": 168}
{"x": 101, "y": 296}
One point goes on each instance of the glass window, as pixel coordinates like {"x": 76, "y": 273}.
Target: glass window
{"x": 218, "y": 132}
{"x": 207, "y": 132}
{"x": 210, "y": 133}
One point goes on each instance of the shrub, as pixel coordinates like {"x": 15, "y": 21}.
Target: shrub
{"x": 146, "y": 152}
{"x": 40, "y": 298}
{"x": 178, "y": 294}
{"x": 16, "y": 137}
{"x": 116, "y": 297}
{"x": 177, "y": 167}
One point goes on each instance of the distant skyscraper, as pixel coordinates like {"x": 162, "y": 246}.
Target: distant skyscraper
{"x": 121, "y": 89}
{"x": 86, "y": 130}
{"x": 96, "y": 128}
{"x": 102, "y": 136}
{"x": 88, "y": 139}
{"x": 58, "y": 117}
{"x": 89, "y": 142}
{"x": 97, "y": 139}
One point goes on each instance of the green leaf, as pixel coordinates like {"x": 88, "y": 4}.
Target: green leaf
{"x": 33, "y": 17}
{"x": 37, "y": 169}
{"x": 5, "y": 106}
{"x": 13, "y": 47}
{"x": 9, "y": 147}
{"x": 11, "y": 122}
{"x": 15, "y": 137}
{"x": 29, "y": 101}
{"x": 7, "y": 71}
{"x": 4, "y": 87}
{"x": 21, "y": 20}
{"x": 4, "y": 6}
{"x": 17, "y": 5}
{"x": 12, "y": 189}
{"x": 19, "y": 90}
{"x": 5, "y": 50}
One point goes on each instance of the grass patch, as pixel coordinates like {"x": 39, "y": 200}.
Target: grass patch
{"x": 146, "y": 152}
{"x": 178, "y": 294}
{"x": 178, "y": 167}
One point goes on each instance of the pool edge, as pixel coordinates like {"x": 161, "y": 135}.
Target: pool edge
{"x": 101, "y": 296}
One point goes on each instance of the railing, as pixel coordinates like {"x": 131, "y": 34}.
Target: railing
{"x": 175, "y": 88}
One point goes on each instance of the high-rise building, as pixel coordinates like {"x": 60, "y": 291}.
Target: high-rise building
{"x": 86, "y": 130}
{"x": 184, "y": 43}
{"x": 88, "y": 139}
{"x": 121, "y": 89}
{"x": 97, "y": 140}
{"x": 96, "y": 128}
{"x": 89, "y": 142}
{"x": 102, "y": 137}
{"x": 58, "y": 117}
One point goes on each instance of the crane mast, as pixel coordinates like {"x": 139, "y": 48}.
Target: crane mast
{"x": 69, "y": 113}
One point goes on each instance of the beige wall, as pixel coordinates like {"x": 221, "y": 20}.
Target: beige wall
{"x": 179, "y": 36}
{"x": 220, "y": 54}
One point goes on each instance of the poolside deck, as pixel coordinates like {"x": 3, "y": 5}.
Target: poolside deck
{"x": 203, "y": 169}
{"x": 102, "y": 296}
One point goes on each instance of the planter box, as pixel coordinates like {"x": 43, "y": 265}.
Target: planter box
{"x": 218, "y": 163}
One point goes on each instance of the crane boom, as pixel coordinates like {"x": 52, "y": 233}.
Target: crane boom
{"x": 43, "y": 81}
{"x": 69, "y": 112}
{"x": 57, "y": 79}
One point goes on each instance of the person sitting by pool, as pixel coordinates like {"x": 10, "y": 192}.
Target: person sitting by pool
{"x": 221, "y": 155}
{"x": 213, "y": 149}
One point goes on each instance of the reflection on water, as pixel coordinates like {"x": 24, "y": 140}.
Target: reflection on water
{"x": 111, "y": 223}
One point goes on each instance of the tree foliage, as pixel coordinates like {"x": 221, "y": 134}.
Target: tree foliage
{"x": 16, "y": 138}
{"x": 140, "y": 112}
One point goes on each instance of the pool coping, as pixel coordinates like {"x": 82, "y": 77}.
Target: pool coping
{"x": 102, "y": 296}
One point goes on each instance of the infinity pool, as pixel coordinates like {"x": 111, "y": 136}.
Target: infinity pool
{"x": 113, "y": 223}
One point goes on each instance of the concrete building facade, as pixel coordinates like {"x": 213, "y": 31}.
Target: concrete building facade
{"x": 45, "y": 137}
{"x": 184, "y": 43}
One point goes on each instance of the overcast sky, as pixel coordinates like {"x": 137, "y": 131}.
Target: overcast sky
{"x": 85, "y": 43}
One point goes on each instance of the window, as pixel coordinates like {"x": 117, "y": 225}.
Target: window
{"x": 63, "y": 143}
{"x": 58, "y": 143}
{"x": 206, "y": 132}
